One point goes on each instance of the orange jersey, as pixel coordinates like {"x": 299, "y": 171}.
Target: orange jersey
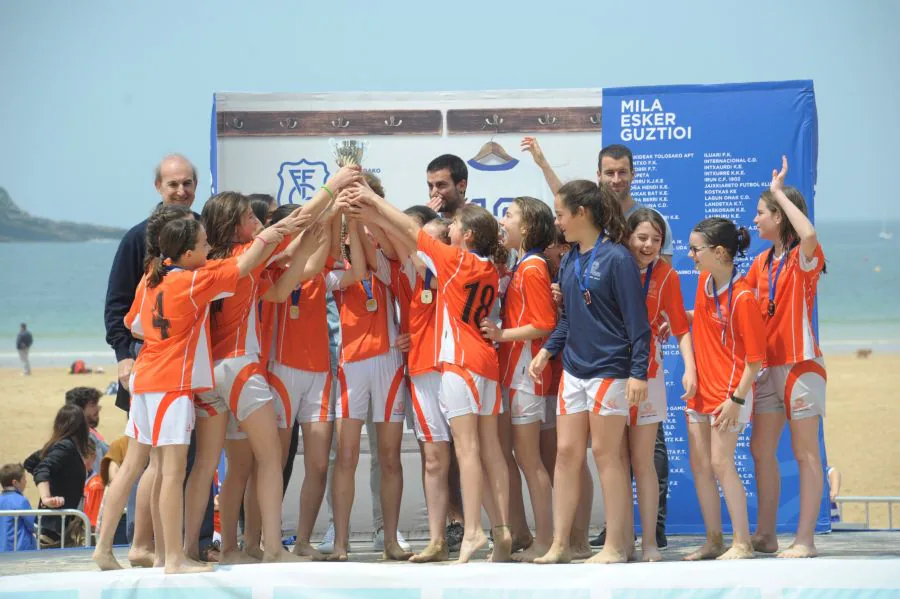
{"x": 790, "y": 338}
{"x": 468, "y": 290}
{"x": 664, "y": 304}
{"x": 301, "y": 338}
{"x": 235, "y": 330}
{"x": 723, "y": 345}
{"x": 93, "y": 498}
{"x": 527, "y": 301}
{"x": 423, "y": 318}
{"x": 172, "y": 318}
{"x": 365, "y": 333}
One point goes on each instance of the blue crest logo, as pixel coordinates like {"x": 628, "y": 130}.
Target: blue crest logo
{"x": 298, "y": 181}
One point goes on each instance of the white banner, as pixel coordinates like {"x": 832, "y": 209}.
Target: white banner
{"x": 279, "y": 143}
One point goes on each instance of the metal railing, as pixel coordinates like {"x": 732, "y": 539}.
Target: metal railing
{"x": 39, "y": 514}
{"x": 867, "y": 502}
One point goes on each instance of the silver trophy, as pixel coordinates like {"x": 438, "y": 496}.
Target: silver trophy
{"x": 348, "y": 152}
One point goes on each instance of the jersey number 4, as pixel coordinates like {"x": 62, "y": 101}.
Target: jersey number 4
{"x": 159, "y": 319}
{"x": 485, "y": 298}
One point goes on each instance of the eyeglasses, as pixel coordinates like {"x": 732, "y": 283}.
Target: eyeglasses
{"x": 696, "y": 250}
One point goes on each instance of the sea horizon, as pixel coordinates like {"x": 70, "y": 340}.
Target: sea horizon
{"x": 59, "y": 289}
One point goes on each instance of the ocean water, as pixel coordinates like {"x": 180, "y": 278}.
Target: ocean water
{"x": 59, "y": 290}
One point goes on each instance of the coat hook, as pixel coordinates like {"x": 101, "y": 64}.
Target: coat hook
{"x": 547, "y": 119}
{"x": 595, "y": 118}
{"x": 393, "y": 122}
{"x": 237, "y": 123}
{"x": 494, "y": 122}
{"x": 288, "y": 123}
{"x": 340, "y": 123}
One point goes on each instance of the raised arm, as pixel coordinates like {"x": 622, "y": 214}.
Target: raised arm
{"x": 384, "y": 242}
{"x": 530, "y": 144}
{"x": 801, "y": 223}
{"x": 328, "y": 192}
{"x": 313, "y": 239}
{"x": 405, "y": 226}
{"x": 262, "y": 247}
{"x": 358, "y": 267}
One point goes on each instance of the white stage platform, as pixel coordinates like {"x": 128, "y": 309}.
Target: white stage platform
{"x": 765, "y": 579}
{"x": 854, "y": 566}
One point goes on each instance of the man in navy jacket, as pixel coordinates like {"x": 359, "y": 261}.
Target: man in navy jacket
{"x": 176, "y": 182}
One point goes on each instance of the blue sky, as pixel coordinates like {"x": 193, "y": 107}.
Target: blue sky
{"x": 93, "y": 92}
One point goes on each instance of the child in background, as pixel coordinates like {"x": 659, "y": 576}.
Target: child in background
{"x": 16, "y": 534}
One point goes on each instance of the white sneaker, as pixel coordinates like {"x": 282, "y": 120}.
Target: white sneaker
{"x": 327, "y": 544}
{"x": 378, "y": 541}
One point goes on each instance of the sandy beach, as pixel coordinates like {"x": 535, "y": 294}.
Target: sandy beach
{"x": 860, "y": 430}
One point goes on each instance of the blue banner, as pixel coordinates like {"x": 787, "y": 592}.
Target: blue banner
{"x": 709, "y": 150}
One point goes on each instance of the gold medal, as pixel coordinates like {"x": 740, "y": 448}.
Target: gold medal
{"x": 295, "y": 312}
{"x": 427, "y": 296}
{"x": 371, "y": 305}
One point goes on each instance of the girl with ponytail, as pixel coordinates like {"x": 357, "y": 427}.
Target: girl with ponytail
{"x": 170, "y": 314}
{"x": 468, "y": 390}
{"x": 604, "y": 338}
{"x": 134, "y": 467}
{"x": 792, "y": 385}
{"x": 729, "y": 347}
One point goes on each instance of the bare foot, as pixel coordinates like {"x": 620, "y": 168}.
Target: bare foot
{"x": 650, "y": 554}
{"x": 254, "y": 553}
{"x": 581, "y": 549}
{"x": 139, "y": 557}
{"x": 531, "y": 554}
{"x": 159, "y": 561}
{"x": 712, "y": 549}
{"x": 283, "y": 556}
{"x": 470, "y": 545}
{"x": 502, "y": 545}
{"x": 393, "y": 551}
{"x": 304, "y": 549}
{"x": 434, "y": 552}
{"x": 796, "y": 551}
{"x": 557, "y": 554}
{"x": 186, "y": 566}
{"x": 105, "y": 559}
{"x": 742, "y": 551}
{"x": 231, "y": 558}
{"x": 522, "y": 543}
{"x": 608, "y": 556}
{"x": 338, "y": 555}
{"x": 764, "y": 543}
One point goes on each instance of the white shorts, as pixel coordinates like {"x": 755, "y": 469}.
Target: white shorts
{"x": 463, "y": 392}
{"x": 653, "y": 409}
{"x": 524, "y": 407}
{"x": 801, "y": 387}
{"x": 158, "y": 419}
{"x": 300, "y": 395}
{"x": 240, "y": 387}
{"x": 380, "y": 380}
{"x": 430, "y": 423}
{"x": 695, "y": 417}
{"x": 605, "y": 397}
